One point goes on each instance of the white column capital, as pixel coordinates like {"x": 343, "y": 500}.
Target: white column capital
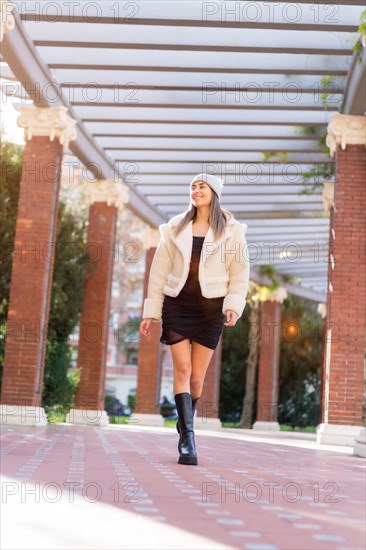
{"x": 328, "y": 195}
{"x": 277, "y": 295}
{"x": 322, "y": 310}
{"x": 345, "y": 130}
{"x": 109, "y": 191}
{"x": 46, "y": 121}
{"x": 7, "y": 21}
{"x": 150, "y": 237}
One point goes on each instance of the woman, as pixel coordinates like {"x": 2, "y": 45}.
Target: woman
{"x": 199, "y": 274}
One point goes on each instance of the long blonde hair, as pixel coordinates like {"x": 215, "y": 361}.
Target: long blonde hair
{"x": 217, "y": 217}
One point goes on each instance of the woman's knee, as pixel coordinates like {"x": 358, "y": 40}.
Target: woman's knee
{"x": 196, "y": 384}
{"x": 183, "y": 369}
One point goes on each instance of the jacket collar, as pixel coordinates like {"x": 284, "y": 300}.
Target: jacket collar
{"x": 173, "y": 222}
{"x": 184, "y": 240}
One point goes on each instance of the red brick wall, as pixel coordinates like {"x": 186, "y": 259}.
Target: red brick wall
{"x": 32, "y": 272}
{"x": 348, "y": 298}
{"x": 208, "y": 405}
{"x": 149, "y": 359}
{"x": 269, "y": 362}
{"x": 95, "y": 317}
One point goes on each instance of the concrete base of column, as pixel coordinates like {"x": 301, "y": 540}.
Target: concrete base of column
{"x": 22, "y": 415}
{"x": 201, "y": 423}
{"x": 266, "y": 426}
{"x": 337, "y": 434}
{"x": 140, "y": 419}
{"x": 87, "y": 417}
{"x": 360, "y": 445}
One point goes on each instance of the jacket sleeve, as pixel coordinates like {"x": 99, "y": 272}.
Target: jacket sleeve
{"x": 239, "y": 268}
{"x": 161, "y": 266}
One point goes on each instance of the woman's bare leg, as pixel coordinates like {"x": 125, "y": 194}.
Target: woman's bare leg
{"x": 200, "y": 359}
{"x": 181, "y": 355}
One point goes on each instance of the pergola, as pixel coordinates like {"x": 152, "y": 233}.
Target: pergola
{"x": 164, "y": 90}
{"x": 244, "y": 90}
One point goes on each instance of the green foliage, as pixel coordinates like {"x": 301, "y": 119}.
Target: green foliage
{"x": 281, "y": 156}
{"x": 300, "y": 363}
{"x": 59, "y": 382}
{"x": 327, "y": 83}
{"x": 361, "y": 32}
{"x": 306, "y": 130}
{"x": 131, "y": 401}
{"x": 119, "y": 419}
{"x": 286, "y": 428}
{"x": 288, "y": 278}
{"x": 10, "y": 175}
{"x": 263, "y": 291}
{"x": 358, "y": 49}
{"x": 271, "y": 272}
{"x": 71, "y": 270}
{"x": 109, "y": 401}
{"x": 319, "y": 172}
{"x": 234, "y": 363}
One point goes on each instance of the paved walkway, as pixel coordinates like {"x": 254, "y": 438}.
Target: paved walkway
{"x": 71, "y": 487}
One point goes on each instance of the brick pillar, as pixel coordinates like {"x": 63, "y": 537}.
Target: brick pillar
{"x": 343, "y": 414}
{"x": 208, "y": 404}
{"x": 147, "y": 410}
{"x": 32, "y": 265}
{"x": 269, "y": 362}
{"x": 105, "y": 198}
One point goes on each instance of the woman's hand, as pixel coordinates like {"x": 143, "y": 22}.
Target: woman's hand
{"x": 145, "y": 326}
{"x": 232, "y": 317}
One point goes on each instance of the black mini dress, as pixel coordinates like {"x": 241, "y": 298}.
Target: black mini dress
{"x": 191, "y": 315}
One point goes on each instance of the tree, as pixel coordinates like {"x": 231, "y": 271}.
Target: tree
{"x": 250, "y": 396}
{"x": 300, "y": 359}
{"x": 256, "y": 295}
{"x": 10, "y": 175}
{"x": 70, "y": 273}
{"x": 235, "y": 350}
{"x": 300, "y": 363}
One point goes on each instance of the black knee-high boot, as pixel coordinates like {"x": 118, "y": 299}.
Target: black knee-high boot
{"x": 186, "y": 445}
{"x": 194, "y": 408}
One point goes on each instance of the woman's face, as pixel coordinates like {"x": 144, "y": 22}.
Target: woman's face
{"x": 201, "y": 194}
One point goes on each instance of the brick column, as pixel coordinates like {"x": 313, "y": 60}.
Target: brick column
{"x": 46, "y": 132}
{"x": 208, "y": 405}
{"x": 269, "y": 362}
{"x": 147, "y": 410}
{"x": 343, "y": 415}
{"x": 105, "y": 197}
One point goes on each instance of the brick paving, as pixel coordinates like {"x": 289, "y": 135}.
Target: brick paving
{"x": 73, "y": 487}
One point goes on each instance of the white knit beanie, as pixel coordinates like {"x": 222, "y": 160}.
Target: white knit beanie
{"x": 214, "y": 182}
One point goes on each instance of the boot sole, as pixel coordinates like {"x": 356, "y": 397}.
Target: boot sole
{"x": 188, "y": 460}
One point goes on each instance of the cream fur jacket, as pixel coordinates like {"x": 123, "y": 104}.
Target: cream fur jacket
{"x": 223, "y": 267}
